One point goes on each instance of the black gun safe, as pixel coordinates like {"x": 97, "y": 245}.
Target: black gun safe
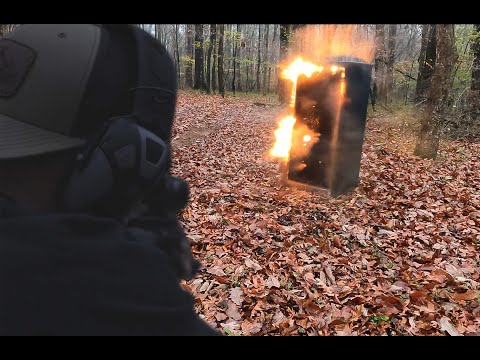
{"x": 333, "y": 105}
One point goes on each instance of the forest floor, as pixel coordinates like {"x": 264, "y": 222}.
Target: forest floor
{"x": 397, "y": 256}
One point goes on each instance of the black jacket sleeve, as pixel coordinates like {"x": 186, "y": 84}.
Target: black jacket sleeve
{"x": 79, "y": 275}
{"x": 145, "y": 297}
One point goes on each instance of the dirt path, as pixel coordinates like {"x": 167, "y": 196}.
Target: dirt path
{"x": 399, "y": 255}
{"x": 200, "y": 118}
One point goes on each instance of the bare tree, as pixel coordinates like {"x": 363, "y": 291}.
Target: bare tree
{"x": 248, "y": 69}
{"x": 266, "y": 65}
{"x": 285, "y": 33}
{"x": 475, "y": 85}
{"x": 234, "y": 60}
{"x": 221, "y": 83}
{"x": 392, "y": 38}
{"x": 474, "y": 96}
{"x": 199, "y": 82}
{"x": 437, "y": 100}
{"x": 380, "y": 61}
{"x": 272, "y": 56}
{"x": 177, "y": 52}
{"x": 209, "y": 55}
{"x": 215, "y": 57}
{"x": 240, "y": 46}
{"x": 189, "y": 60}
{"x": 259, "y": 58}
{"x": 426, "y": 62}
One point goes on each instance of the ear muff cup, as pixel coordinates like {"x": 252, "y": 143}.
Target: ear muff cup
{"x": 122, "y": 165}
{"x": 86, "y": 186}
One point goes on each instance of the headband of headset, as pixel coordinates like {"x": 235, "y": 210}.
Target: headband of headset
{"x": 155, "y": 94}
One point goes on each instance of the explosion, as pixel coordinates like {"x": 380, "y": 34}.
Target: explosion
{"x": 319, "y": 42}
{"x": 283, "y": 134}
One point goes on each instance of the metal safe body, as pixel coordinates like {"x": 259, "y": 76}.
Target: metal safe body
{"x": 334, "y": 108}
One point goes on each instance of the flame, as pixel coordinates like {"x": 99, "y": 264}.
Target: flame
{"x": 283, "y": 133}
{"x": 283, "y": 137}
{"x": 300, "y": 67}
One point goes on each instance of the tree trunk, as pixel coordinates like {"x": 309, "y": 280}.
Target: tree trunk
{"x": 247, "y": 71}
{"x": 392, "y": 40}
{"x": 421, "y": 58}
{"x": 234, "y": 57}
{"x": 474, "y": 96}
{"x": 428, "y": 140}
{"x": 213, "y": 30}
{"x": 221, "y": 84}
{"x": 475, "y": 85}
{"x": 228, "y": 52}
{"x": 215, "y": 59}
{"x": 380, "y": 61}
{"x": 199, "y": 82}
{"x": 265, "y": 62}
{"x": 259, "y": 58}
{"x": 426, "y": 62}
{"x": 272, "y": 57}
{"x": 285, "y": 32}
{"x": 177, "y": 53}
{"x": 240, "y": 45}
{"x": 189, "y": 57}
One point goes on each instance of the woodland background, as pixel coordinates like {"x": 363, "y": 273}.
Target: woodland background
{"x": 245, "y": 58}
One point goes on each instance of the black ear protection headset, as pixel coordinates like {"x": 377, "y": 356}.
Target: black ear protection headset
{"x": 127, "y": 161}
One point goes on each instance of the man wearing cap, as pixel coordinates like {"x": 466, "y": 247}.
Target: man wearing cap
{"x": 85, "y": 120}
